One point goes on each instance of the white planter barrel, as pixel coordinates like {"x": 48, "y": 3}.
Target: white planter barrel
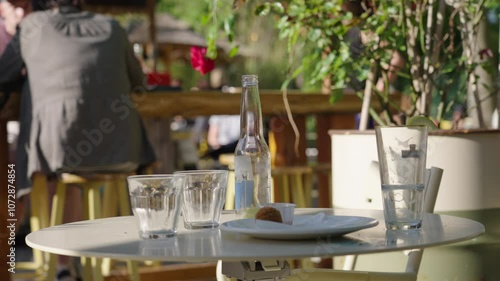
{"x": 470, "y": 159}
{"x": 470, "y": 188}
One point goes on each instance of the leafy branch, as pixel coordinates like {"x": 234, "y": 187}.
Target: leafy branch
{"x": 342, "y": 45}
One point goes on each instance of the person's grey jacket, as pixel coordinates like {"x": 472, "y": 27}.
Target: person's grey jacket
{"x": 81, "y": 71}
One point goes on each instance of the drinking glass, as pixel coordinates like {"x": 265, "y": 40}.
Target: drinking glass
{"x": 155, "y": 201}
{"x": 402, "y": 155}
{"x": 203, "y": 197}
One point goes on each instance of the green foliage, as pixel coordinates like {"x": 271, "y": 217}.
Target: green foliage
{"x": 185, "y": 73}
{"x": 320, "y": 40}
{"x": 232, "y": 26}
{"x": 192, "y": 12}
{"x": 328, "y": 34}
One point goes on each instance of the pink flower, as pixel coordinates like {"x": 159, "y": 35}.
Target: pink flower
{"x": 199, "y": 61}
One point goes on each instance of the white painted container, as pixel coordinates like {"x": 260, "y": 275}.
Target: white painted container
{"x": 470, "y": 159}
{"x": 470, "y": 188}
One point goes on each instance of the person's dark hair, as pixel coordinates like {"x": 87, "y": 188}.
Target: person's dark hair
{"x": 66, "y": 3}
{"x": 41, "y": 5}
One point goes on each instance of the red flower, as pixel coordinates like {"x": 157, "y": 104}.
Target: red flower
{"x": 200, "y": 62}
{"x": 413, "y": 6}
{"x": 488, "y": 53}
{"x": 157, "y": 79}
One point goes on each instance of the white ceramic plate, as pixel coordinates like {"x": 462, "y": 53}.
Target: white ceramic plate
{"x": 304, "y": 227}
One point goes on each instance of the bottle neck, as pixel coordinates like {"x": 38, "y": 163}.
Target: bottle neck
{"x": 250, "y": 113}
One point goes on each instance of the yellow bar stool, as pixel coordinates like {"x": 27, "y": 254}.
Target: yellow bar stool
{"x": 115, "y": 201}
{"x": 293, "y": 184}
{"x": 228, "y": 160}
{"x": 39, "y": 218}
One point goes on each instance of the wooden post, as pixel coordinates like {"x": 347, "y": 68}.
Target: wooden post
{"x": 284, "y": 140}
{"x": 324, "y": 123}
{"x": 324, "y": 156}
{"x": 152, "y": 32}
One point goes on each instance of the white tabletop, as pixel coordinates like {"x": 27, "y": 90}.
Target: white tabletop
{"x": 118, "y": 238}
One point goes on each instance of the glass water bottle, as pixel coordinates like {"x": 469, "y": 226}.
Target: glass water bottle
{"x": 252, "y": 161}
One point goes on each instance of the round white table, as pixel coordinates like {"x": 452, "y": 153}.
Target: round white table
{"x": 118, "y": 238}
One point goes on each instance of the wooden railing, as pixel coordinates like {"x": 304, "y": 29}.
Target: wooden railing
{"x": 204, "y": 103}
{"x": 340, "y": 115}
{"x": 196, "y": 103}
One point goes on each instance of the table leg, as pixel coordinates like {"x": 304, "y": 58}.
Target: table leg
{"x": 256, "y": 270}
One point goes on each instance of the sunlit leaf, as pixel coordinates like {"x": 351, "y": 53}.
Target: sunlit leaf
{"x": 297, "y": 72}
{"x": 314, "y": 34}
{"x": 379, "y": 29}
{"x": 277, "y": 7}
{"x": 449, "y": 67}
{"x": 205, "y": 19}
{"x": 262, "y": 10}
{"x": 336, "y": 95}
{"x": 234, "y": 51}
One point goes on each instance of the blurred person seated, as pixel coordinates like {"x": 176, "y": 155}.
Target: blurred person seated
{"x": 81, "y": 70}
{"x": 13, "y": 80}
{"x": 10, "y": 16}
{"x": 223, "y": 134}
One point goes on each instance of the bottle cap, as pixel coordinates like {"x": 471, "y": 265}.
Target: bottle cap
{"x": 249, "y": 79}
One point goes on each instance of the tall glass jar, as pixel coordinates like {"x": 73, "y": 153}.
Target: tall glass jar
{"x": 252, "y": 161}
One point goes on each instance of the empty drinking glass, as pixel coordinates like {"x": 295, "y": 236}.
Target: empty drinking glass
{"x": 203, "y": 197}
{"x": 402, "y": 156}
{"x": 155, "y": 201}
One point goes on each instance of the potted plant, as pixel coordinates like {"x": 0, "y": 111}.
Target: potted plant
{"x": 435, "y": 49}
